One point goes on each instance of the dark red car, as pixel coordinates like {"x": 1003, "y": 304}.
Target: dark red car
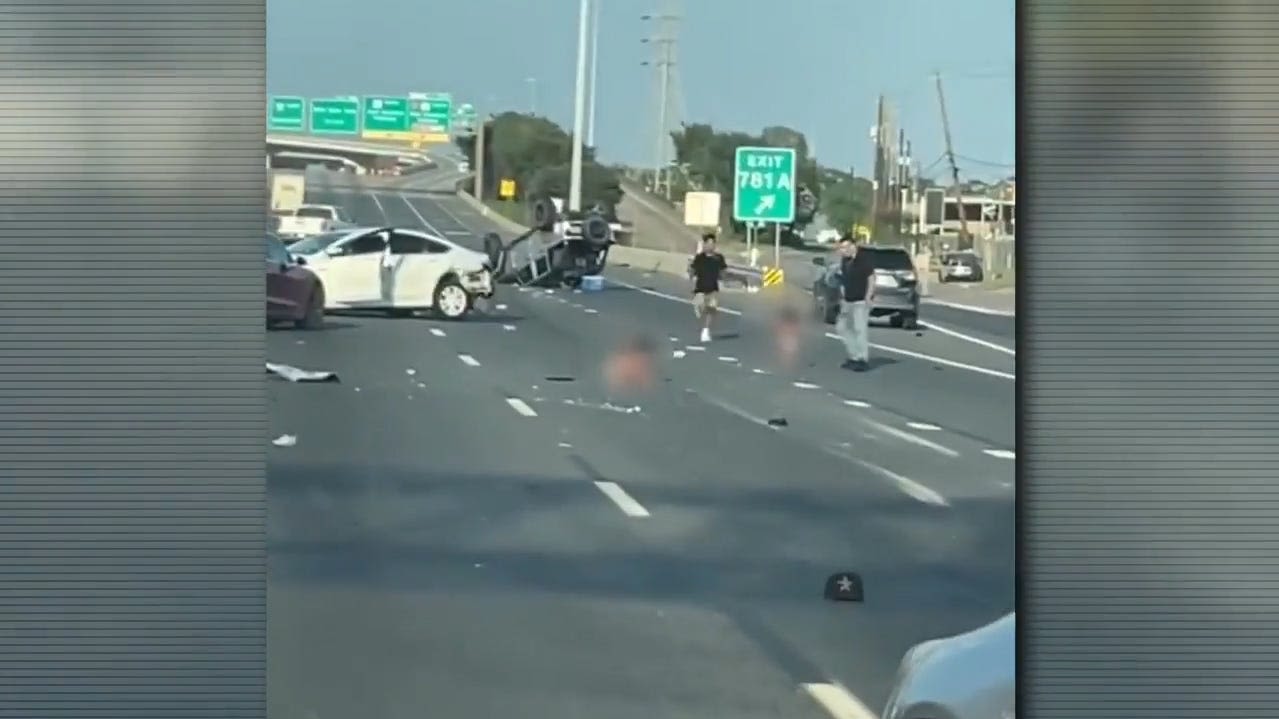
{"x": 293, "y": 293}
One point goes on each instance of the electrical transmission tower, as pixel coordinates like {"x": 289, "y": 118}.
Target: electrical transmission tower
{"x": 664, "y": 41}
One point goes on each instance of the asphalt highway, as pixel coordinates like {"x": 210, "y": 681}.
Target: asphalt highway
{"x": 473, "y": 523}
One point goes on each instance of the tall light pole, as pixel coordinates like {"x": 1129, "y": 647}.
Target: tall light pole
{"x": 663, "y": 43}
{"x": 579, "y": 107}
{"x": 595, "y": 54}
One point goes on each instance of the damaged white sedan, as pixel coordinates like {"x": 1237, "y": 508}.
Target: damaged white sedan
{"x": 397, "y": 270}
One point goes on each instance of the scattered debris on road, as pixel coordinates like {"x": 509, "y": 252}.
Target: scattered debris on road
{"x": 293, "y": 374}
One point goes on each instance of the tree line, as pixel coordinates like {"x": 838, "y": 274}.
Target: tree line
{"x": 535, "y": 152}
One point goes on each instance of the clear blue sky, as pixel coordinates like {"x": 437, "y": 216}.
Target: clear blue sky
{"x": 815, "y": 65}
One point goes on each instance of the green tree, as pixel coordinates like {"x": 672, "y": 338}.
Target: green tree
{"x": 534, "y": 152}
{"x": 847, "y": 202}
{"x": 708, "y": 157}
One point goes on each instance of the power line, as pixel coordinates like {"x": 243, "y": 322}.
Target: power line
{"x": 986, "y": 163}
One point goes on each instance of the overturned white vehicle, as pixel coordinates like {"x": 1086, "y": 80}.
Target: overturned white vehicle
{"x": 557, "y": 251}
{"x": 397, "y": 270}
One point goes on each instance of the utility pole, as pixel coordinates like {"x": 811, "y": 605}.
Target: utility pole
{"x": 899, "y": 183}
{"x": 579, "y": 108}
{"x": 479, "y": 158}
{"x": 878, "y": 179}
{"x": 964, "y": 238}
{"x": 664, "y": 43}
{"x": 595, "y": 54}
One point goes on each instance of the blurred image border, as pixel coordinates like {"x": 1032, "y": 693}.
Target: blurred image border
{"x": 133, "y": 442}
{"x": 1147, "y": 378}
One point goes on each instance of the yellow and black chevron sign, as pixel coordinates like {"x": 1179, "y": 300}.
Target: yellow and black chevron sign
{"x": 772, "y": 276}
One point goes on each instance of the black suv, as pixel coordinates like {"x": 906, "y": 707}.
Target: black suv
{"x": 896, "y": 293}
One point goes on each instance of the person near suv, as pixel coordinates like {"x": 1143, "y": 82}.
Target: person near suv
{"x": 857, "y": 271}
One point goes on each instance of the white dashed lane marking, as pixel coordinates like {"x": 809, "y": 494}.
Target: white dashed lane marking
{"x": 1001, "y": 453}
{"x": 838, "y": 701}
{"x": 521, "y": 406}
{"x": 437, "y": 331}
{"x": 624, "y": 501}
{"x": 469, "y": 360}
{"x": 914, "y": 439}
{"x": 832, "y": 335}
{"x": 857, "y": 403}
{"x": 908, "y": 486}
{"x": 924, "y": 426}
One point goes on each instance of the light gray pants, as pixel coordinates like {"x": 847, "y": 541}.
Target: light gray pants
{"x": 854, "y": 318}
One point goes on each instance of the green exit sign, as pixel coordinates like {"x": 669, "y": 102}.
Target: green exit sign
{"x": 431, "y": 112}
{"x": 764, "y": 190}
{"x": 335, "y": 116}
{"x": 286, "y": 113}
{"x": 386, "y": 114}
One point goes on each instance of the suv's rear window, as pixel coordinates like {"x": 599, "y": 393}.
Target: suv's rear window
{"x": 890, "y": 259}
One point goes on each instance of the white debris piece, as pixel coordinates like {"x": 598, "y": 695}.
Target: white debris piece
{"x": 293, "y": 374}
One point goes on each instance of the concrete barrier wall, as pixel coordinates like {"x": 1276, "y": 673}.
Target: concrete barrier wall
{"x": 649, "y": 260}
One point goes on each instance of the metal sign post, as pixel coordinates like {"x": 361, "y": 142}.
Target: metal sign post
{"x": 777, "y": 245}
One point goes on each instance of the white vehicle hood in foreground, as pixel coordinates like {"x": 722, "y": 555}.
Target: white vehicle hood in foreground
{"x": 972, "y": 675}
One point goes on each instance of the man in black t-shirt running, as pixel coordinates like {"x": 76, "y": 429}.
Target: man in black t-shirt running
{"x": 705, "y": 270}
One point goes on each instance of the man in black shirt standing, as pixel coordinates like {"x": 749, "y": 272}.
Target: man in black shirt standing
{"x": 857, "y": 272}
{"x": 705, "y": 270}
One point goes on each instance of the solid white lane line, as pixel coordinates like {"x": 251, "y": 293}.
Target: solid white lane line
{"x": 419, "y": 216}
{"x": 969, "y": 338}
{"x": 838, "y": 701}
{"x": 908, "y": 486}
{"x": 938, "y": 360}
{"x": 1001, "y": 453}
{"x": 969, "y": 308}
{"x": 440, "y": 204}
{"x": 520, "y": 406}
{"x": 437, "y": 331}
{"x": 913, "y": 439}
{"x": 469, "y": 360}
{"x": 923, "y": 426}
{"x": 738, "y": 412}
{"x": 624, "y": 501}
{"x": 663, "y": 295}
{"x": 832, "y": 335}
{"x": 380, "y": 208}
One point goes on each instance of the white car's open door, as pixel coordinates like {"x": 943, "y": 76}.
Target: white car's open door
{"x": 352, "y": 269}
{"x": 416, "y": 265}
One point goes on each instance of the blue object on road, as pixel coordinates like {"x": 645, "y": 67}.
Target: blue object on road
{"x": 592, "y": 283}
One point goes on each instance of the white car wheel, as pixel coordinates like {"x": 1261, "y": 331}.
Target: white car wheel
{"x": 452, "y": 301}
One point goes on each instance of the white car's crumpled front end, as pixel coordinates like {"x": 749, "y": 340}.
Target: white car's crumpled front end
{"x": 474, "y": 273}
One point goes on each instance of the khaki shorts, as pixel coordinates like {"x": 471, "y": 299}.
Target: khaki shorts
{"x": 705, "y": 303}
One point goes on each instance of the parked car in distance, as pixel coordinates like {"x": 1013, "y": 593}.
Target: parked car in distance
{"x": 308, "y": 220}
{"x": 293, "y": 293}
{"x": 967, "y": 676}
{"x": 896, "y": 294}
{"x": 960, "y": 267}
